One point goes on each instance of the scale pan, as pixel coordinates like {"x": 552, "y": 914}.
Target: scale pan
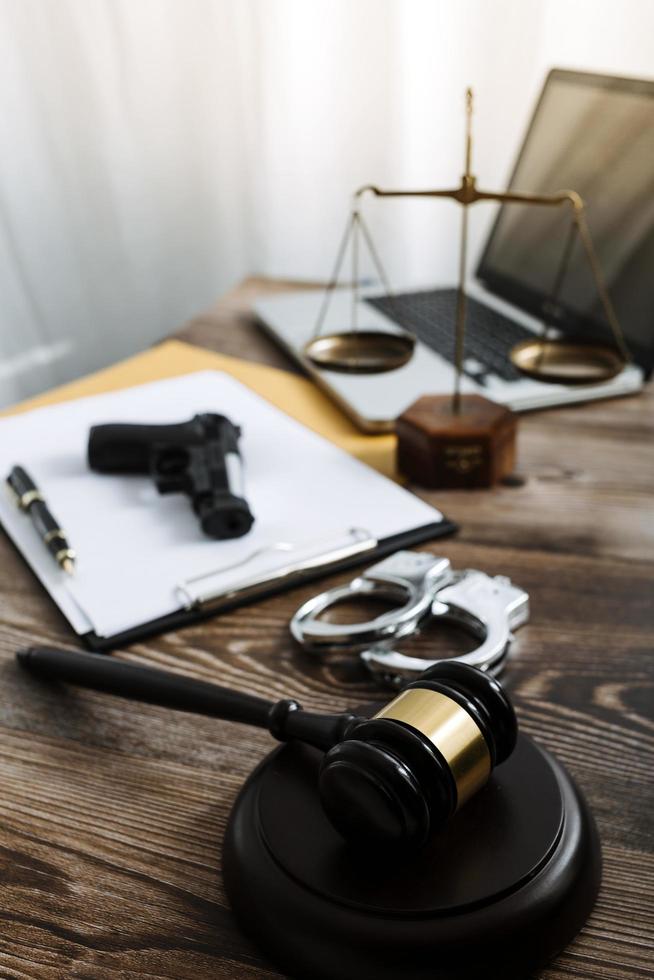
{"x": 566, "y": 362}
{"x": 361, "y": 351}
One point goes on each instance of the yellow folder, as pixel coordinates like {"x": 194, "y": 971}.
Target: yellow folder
{"x": 294, "y": 395}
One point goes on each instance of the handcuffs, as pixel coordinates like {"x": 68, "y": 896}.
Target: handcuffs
{"x": 426, "y": 590}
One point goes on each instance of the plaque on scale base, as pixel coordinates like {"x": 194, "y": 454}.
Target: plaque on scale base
{"x": 440, "y": 447}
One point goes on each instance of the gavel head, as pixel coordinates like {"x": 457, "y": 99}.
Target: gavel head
{"x": 399, "y": 776}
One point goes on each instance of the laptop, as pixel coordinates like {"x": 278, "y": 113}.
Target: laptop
{"x": 590, "y": 133}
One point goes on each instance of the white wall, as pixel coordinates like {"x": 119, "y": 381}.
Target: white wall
{"x": 156, "y": 151}
{"x": 504, "y": 49}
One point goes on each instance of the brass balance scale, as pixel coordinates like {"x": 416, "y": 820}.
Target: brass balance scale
{"x": 466, "y": 440}
{"x": 543, "y": 358}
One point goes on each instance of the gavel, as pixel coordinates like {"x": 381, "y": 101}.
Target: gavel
{"x": 387, "y": 781}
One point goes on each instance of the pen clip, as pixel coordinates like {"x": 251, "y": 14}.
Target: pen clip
{"x": 23, "y": 501}
{"x": 13, "y": 496}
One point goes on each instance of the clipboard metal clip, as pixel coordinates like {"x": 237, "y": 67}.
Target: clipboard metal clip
{"x": 195, "y": 594}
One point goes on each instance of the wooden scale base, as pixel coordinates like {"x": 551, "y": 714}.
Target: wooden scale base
{"x": 499, "y": 891}
{"x": 439, "y": 448}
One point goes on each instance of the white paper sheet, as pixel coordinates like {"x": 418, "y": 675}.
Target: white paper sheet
{"x": 134, "y": 546}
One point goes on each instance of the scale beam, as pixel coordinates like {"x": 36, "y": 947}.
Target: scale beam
{"x": 547, "y": 360}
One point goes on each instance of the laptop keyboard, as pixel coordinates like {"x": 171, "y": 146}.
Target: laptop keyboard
{"x": 431, "y": 316}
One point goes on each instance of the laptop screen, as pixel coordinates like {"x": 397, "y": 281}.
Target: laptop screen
{"x": 593, "y": 134}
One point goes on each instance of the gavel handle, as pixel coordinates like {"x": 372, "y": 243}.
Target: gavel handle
{"x": 284, "y": 719}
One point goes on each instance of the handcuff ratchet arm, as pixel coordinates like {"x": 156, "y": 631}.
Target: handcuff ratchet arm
{"x": 427, "y": 590}
{"x": 411, "y": 577}
{"x": 488, "y": 607}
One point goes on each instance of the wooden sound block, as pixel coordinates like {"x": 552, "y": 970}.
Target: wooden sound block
{"x": 439, "y": 448}
{"x": 497, "y": 892}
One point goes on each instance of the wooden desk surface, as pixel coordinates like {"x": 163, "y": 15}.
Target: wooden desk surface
{"x": 112, "y": 814}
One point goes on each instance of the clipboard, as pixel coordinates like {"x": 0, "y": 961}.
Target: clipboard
{"x": 264, "y": 590}
{"x": 318, "y": 509}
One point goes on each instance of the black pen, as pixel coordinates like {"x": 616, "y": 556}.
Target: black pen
{"x": 30, "y": 499}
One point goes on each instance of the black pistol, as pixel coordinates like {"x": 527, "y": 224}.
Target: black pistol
{"x": 199, "y": 458}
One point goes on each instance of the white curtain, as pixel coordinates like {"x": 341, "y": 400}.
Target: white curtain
{"x": 156, "y": 151}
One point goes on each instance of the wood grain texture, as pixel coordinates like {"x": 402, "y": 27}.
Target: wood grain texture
{"x": 112, "y": 814}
